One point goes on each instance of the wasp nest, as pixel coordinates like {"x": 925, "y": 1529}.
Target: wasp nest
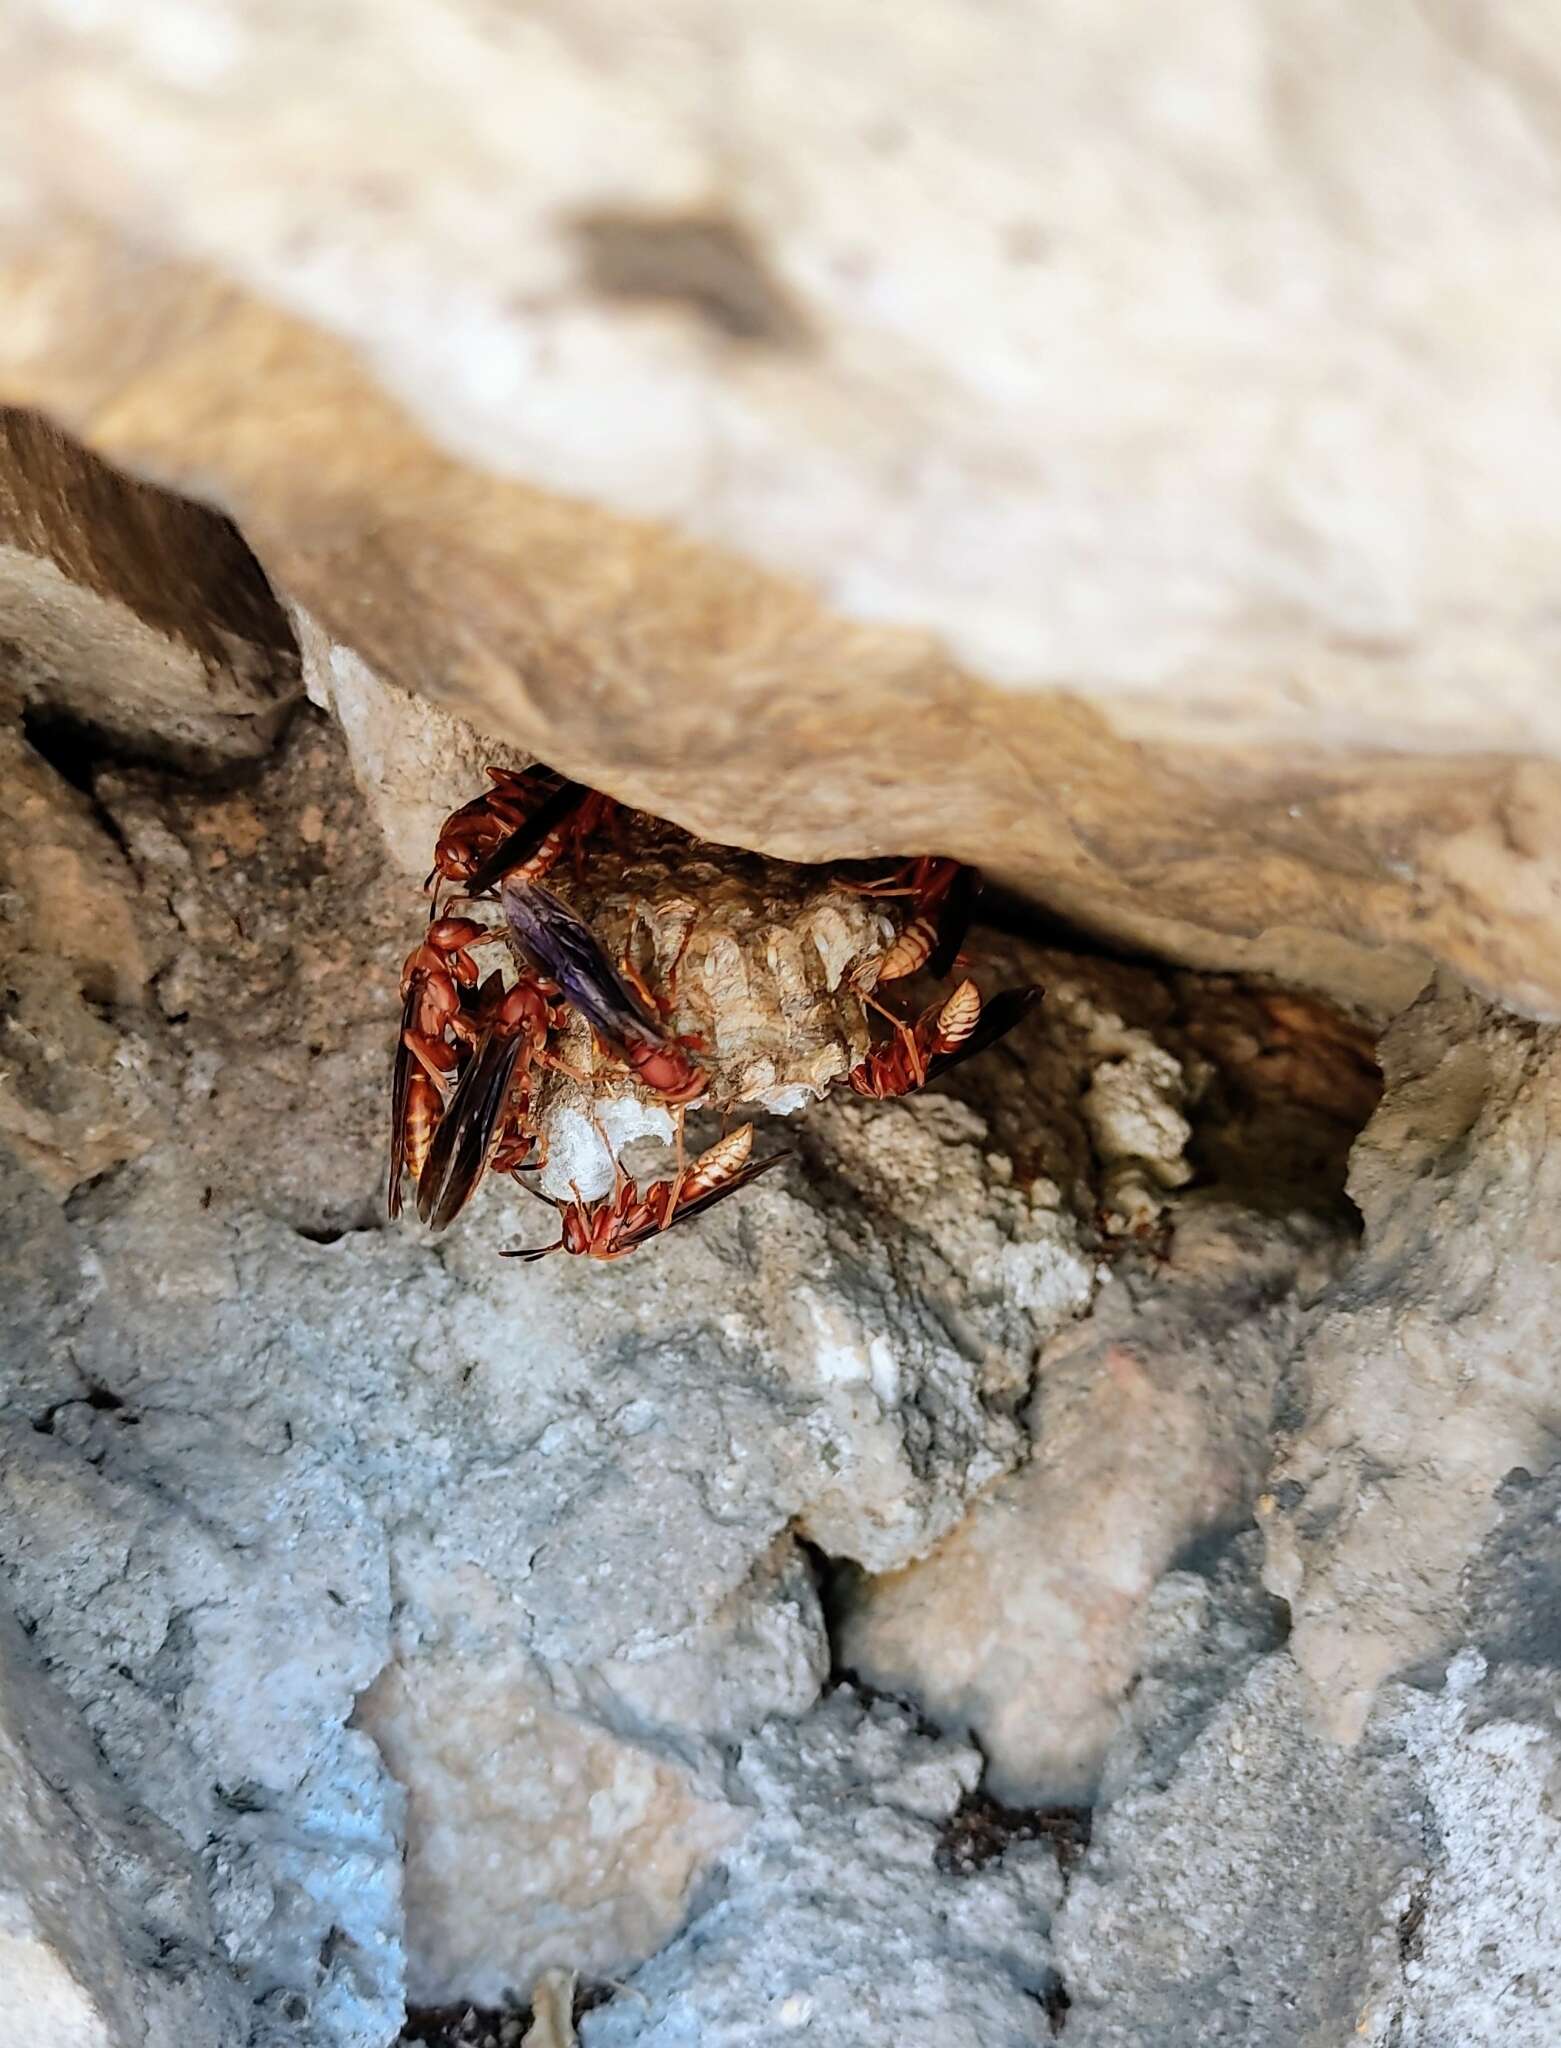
{"x": 752, "y": 959}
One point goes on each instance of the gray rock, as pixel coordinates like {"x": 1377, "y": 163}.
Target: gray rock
{"x": 106, "y": 1937}
{"x": 831, "y": 1920}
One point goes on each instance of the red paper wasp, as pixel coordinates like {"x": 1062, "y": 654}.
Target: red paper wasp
{"x": 507, "y": 831}
{"x": 946, "y": 1033}
{"x": 615, "y": 1224}
{"x": 563, "y": 948}
{"x": 438, "y": 985}
{"x": 485, "y": 1121}
{"x": 469, "y": 835}
{"x": 943, "y": 893}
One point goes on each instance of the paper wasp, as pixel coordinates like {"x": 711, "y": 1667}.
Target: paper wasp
{"x": 946, "y": 1033}
{"x": 616, "y": 1224}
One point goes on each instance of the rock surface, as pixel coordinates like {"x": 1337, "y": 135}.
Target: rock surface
{"x": 105, "y": 1938}
{"x": 1433, "y": 1373}
{"x": 1142, "y": 485}
{"x": 259, "y": 1451}
{"x": 533, "y": 1839}
{"x": 132, "y": 616}
{"x": 834, "y": 1923}
{"x": 1253, "y": 1880}
{"x": 724, "y": 440}
{"x": 277, "y": 1480}
{"x": 1151, "y": 1426}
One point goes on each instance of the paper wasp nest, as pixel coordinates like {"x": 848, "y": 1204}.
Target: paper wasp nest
{"x": 758, "y": 956}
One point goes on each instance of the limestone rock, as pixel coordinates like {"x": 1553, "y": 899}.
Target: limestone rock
{"x": 834, "y": 1921}
{"x": 76, "y": 1098}
{"x": 1205, "y": 598}
{"x": 1151, "y": 1420}
{"x": 253, "y": 1443}
{"x": 1431, "y": 1375}
{"x": 763, "y": 1651}
{"x": 533, "y": 1840}
{"x": 105, "y": 1926}
{"x": 1252, "y": 1879}
{"x": 1203, "y": 1912}
{"x": 133, "y": 615}
{"x": 1150, "y": 1425}
{"x": 560, "y": 1814}
{"x": 360, "y": 1563}
{"x": 413, "y": 761}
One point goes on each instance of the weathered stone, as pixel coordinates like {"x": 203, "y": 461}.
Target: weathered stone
{"x": 1431, "y": 1375}
{"x": 1251, "y": 1879}
{"x": 1205, "y": 1911}
{"x": 1151, "y": 1430}
{"x": 130, "y": 615}
{"x": 75, "y": 1095}
{"x": 631, "y": 458}
{"x": 834, "y": 1921}
{"x": 105, "y": 1928}
{"x": 1151, "y": 1420}
{"x": 533, "y": 1839}
{"x": 1238, "y": 679}
{"x": 248, "y": 1416}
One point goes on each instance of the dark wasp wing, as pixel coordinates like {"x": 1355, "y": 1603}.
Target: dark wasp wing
{"x": 464, "y": 1139}
{"x": 1006, "y": 1009}
{"x": 523, "y": 842}
{"x": 686, "y": 1211}
{"x": 953, "y": 920}
{"x": 400, "y": 1082}
{"x": 565, "y": 949}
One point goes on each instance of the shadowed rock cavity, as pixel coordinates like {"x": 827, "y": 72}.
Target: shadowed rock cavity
{"x": 132, "y": 619}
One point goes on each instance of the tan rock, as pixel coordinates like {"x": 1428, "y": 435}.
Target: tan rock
{"x": 1150, "y": 1425}
{"x": 131, "y": 613}
{"x": 413, "y": 761}
{"x": 534, "y": 1839}
{"x": 74, "y": 1095}
{"x": 1206, "y": 599}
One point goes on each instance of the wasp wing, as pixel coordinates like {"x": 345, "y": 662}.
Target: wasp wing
{"x": 953, "y": 920}
{"x": 1006, "y": 1009}
{"x": 523, "y": 842}
{"x": 565, "y": 949}
{"x": 400, "y": 1082}
{"x": 464, "y": 1139}
{"x": 685, "y": 1212}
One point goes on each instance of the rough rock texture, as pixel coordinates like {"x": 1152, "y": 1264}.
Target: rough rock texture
{"x": 105, "y": 1934}
{"x": 72, "y": 1096}
{"x": 532, "y": 1837}
{"x": 277, "y": 1480}
{"x": 1252, "y": 1880}
{"x": 339, "y": 1539}
{"x": 1246, "y": 553}
{"x": 258, "y": 1448}
{"x": 1433, "y": 1374}
{"x": 1151, "y": 1426}
{"x": 102, "y": 577}
{"x": 1151, "y": 1421}
{"x": 1117, "y": 450}
{"x": 832, "y": 1921}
